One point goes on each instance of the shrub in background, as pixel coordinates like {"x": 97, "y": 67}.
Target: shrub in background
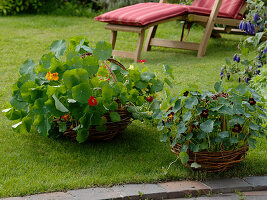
{"x": 11, "y": 7}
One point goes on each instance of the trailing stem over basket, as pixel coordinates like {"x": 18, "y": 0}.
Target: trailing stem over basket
{"x": 213, "y": 122}
{"x": 82, "y": 89}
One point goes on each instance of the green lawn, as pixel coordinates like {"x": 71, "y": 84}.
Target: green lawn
{"x": 30, "y": 163}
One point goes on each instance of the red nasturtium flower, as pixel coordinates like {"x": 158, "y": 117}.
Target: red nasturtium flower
{"x": 92, "y": 101}
{"x": 65, "y": 117}
{"x": 142, "y": 61}
{"x": 149, "y": 98}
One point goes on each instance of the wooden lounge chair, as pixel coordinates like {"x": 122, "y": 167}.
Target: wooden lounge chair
{"x": 140, "y": 17}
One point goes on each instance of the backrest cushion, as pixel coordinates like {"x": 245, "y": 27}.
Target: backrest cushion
{"x": 229, "y": 7}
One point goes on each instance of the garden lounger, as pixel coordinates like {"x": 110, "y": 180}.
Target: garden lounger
{"x": 139, "y": 17}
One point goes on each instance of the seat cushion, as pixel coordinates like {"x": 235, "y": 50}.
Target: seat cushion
{"x": 143, "y": 13}
{"x": 229, "y": 8}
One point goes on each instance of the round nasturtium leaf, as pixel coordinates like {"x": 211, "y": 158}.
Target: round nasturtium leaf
{"x": 82, "y": 92}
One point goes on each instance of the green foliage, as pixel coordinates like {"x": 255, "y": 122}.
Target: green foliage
{"x": 78, "y": 91}
{"x": 214, "y": 121}
{"x": 59, "y": 7}
{"x": 18, "y": 6}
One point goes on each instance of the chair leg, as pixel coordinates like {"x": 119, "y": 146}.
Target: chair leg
{"x": 139, "y": 45}
{"x": 113, "y": 39}
{"x": 151, "y": 34}
{"x": 209, "y": 27}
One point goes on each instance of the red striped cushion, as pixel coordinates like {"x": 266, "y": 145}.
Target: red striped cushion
{"x": 229, "y": 8}
{"x": 142, "y": 14}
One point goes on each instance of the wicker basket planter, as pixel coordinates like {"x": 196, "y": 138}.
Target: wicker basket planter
{"x": 113, "y": 129}
{"x": 214, "y": 161}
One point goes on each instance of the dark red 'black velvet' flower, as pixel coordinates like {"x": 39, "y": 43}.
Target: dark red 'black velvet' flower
{"x": 186, "y": 93}
{"x": 237, "y": 128}
{"x": 251, "y": 101}
{"x": 204, "y": 113}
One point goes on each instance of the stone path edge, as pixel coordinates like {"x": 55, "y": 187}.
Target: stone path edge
{"x": 173, "y": 189}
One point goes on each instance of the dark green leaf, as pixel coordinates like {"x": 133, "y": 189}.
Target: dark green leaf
{"x": 75, "y": 77}
{"x": 195, "y": 165}
{"x": 62, "y": 127}
{"x": 207, "y": 126}
{"x": 187, "y": 116}
{"x": 242, "y": 89}
{"x": 204, "y": 145}
{"x": 141, "y": 85}
{"x": 196, "y": 148}
{"x": 233, "y": 140}
{"x": 177, "y": 106}
{"x": 103, "y": 50}
{"x": 227, "y": 110}
{"x": 191, "y": 102}
{"x": 157, "y": 114}
{"x": 223, "y": 134}
{"x": 218, "y": 86}
{"x": 27, "y": 67}
{"x": 181, "y": 128}
{"x": 157, "y": 86}
{"x": 146, "y": 76}
{"x": 115, "y": 117}
{"x": 254, "y": 127}
{"x": 82, "y": 135}
{"x": 59, "y": 105}
{"x": 184, "y": 157}
{"x": 252, "y": 143}
{"x": 168, "y": 70}
{"x": 59, "y": 47}
{"x": 168, "y": 82}
{"x": 82, "y": 92}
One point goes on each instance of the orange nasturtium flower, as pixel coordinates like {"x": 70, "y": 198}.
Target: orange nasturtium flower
{"x": 92, "y": 101}
{"x": 52, "y": 77}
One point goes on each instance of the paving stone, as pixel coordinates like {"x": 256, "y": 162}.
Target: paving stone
{"x": 258, "y": 182}
{"x": 181, "y": 188}
{"x": 217, "y": 197}
{"x": 45, "y": 196}
{"x": 256, "y": 193}
{"x": 135, "y": 191}
{"x": 94, "y": 194}
{"x": 50, "y": 196}
{"x": 228, "y": 185}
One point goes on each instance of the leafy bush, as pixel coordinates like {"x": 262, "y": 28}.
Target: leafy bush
{"x": 206, "y": 121}
{"x": 112, "y": 4}
{"x": 17, "y": 6}
{"x": 79, "y": 89}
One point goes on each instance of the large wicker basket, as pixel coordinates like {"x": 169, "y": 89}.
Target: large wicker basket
{"x": 214, "y": 161}
{"x": 112, "y": 128}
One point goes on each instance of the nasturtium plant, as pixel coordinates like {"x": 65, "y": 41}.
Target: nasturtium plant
{"x": 78, "y": 85}
{"x": 214, "y": 121}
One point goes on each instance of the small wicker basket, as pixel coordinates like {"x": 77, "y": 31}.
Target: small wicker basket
{"x": 214, "y": 161}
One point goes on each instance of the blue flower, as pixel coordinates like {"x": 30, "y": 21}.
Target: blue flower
{"x": 247, "y": 80}
{"x": 239, "y": 79}
{"x": 265, "y": 50}
{"x": 256, "y": 17}
{"x": 238, "y": 59}
{"x": 234, "y": 57}
{"x": 241, "y": 25}
{"x": 258, "y": 72}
